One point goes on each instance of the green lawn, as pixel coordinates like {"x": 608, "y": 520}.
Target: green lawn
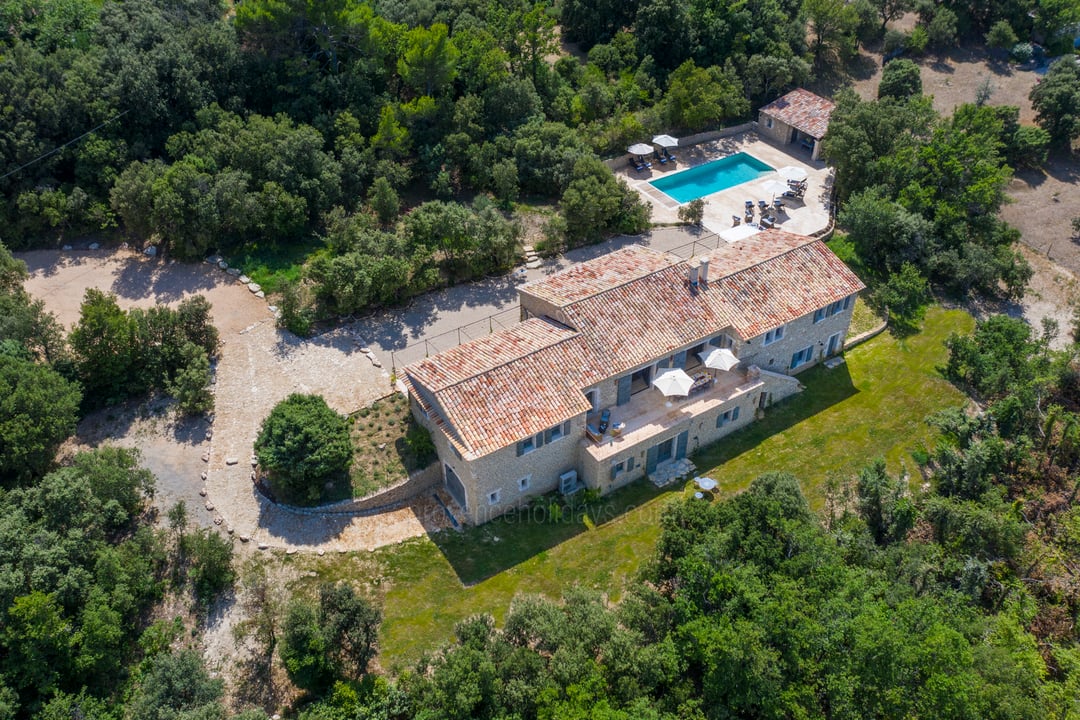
{"x": 873, "y": 405}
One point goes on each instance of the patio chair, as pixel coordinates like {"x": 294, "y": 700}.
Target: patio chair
{"x": 735, "y": 220}
{"x": 749, "y": 206}
{"x": 605, "y": 420}
{"x": 762, "y": 205}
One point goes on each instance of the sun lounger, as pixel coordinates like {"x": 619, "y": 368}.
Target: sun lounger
{"x": 669, "y": 155}
{"x": 605, "y": 419}
{"x": 658, "y": 156}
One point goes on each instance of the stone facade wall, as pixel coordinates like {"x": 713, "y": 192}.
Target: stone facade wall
{"x": 780, "y": 132}
{"x": 797, "y": 335}
{"x": 503, "y": 469}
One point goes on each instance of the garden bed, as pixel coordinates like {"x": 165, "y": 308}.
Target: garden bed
{"x": 388, "y": 445}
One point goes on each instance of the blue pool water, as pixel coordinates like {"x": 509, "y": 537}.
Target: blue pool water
{"x": 711, "y": 177}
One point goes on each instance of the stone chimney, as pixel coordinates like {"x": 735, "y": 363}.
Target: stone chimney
{"x": 703, "y": 272}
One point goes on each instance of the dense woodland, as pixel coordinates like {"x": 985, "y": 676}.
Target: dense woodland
{"x": 393, "y": 147}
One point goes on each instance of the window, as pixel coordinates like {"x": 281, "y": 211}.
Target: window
{"x": 727, "y": 417}
{"x": 847, "y": 301}
{"x": 556, "y": 432}
{"x": 526, "y": 446}
{"x": 593, "y": 396}
{"x": 768, "y": 122}
{"x": 493, "y": 497}
{"x": 832, "y": 309}
{"x": 617, "y": 468}
{"x": 802, "y": 357}
{"x": 774, "y": 335}
{"x": 523, "y": 483}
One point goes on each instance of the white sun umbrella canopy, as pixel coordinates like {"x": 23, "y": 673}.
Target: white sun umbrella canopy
{"x": 790, "y": 172}
{"x": 673, "y": 382}
{"x": 665, "y": 141}
{"x": 640, "y": 149}
{"x": 774, "y": 187}
{"x": 719, "y": 359}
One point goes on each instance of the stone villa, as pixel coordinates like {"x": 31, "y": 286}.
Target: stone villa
{"x": 520, "y": 412}
{"x": 798, "y": 117}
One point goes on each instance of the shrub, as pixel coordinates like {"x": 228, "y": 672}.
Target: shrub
{"x": 900, "y": 79}
{"x": 692, "y": 212}
{"x": 894, "y": 40}
{"x": 1022, "y": 52}
{"x": 302, "y": 444}
{"x": 917, "y": 41}
{"x": 1001, "y": 36}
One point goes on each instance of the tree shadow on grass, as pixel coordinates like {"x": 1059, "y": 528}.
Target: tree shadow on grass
{"x": 824, "y": 389}
{"x": 481, "y": 552}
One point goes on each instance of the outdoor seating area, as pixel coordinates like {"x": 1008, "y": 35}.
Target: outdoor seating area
{"x": 659, "y": 150}
{"x": 804, "y": 211}
{"x": 670, "y": 471}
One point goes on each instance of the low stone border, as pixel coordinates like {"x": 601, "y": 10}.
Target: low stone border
{"x": 864, "y": 336}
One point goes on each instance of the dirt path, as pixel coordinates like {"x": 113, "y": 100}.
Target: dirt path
{"x": 258, "y": 366}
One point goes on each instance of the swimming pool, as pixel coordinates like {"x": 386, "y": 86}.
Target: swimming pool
{"x": 711, "y": 177}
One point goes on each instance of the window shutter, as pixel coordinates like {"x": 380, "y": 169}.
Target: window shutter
{"x": 651, "y": 457}
{"x": 566, "y": 429}
{"x": 630, "y": 463}
{"x": 613, "y": 466}
{"x": 624, "y": 390}
{"x": 680, "y": 360}
{"x": 539, "y": 440}
{"x": 735, "y": 413}
{"x": 720, "y": 420}
{"x": 680, "y": 447}
{"x": 520, "y": 448}
{"x": 547, "y": 435}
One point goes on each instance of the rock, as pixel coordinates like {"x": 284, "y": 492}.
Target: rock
{"x": 235, "y": 272}
{"x": 254, "y": 287}
{"x": 365, "y": 350}
{"x": 202, "y": 492}
{"x": 382, "y": 446}
{"x": 290, "y": 551}
{"x": 214, "y": 259}
{"x": 203, "y": 475}
{"x": 260, "y": 294}
{"x": 533, "y": 264}
{"x": 209, "y": 434}
{"x": 95, "y": 246}
{"x": 272, "y": 308}
{"x": 231, "y": 461}
{"x": 254, "y": 461}
{"x": 527, "y": 248}
{"x": 150, "y": 251}
{"x": 263, "y": 546}
{"x": 245, "y": 538}
{"x": 245, "y": 279}
{"x": 223, "y": 265}
{"x": 254, "y": 476}
{"x": 321, "y": 552}
{"x": 206, "y": 457}
{"x": 210, "y": 507}
{"x": 229, "y": 530}
{"x": 218, "y": 520}
{"x": 66, "y": 247}
{"x": 376, "y": 363}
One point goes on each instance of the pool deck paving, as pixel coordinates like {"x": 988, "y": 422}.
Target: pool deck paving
{"x": 804, "y": 217}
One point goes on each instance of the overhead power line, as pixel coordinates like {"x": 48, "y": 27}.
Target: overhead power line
{"x": 58, "y": 149}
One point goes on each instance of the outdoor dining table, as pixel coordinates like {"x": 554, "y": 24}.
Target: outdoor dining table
{"x": 706, "y": 483}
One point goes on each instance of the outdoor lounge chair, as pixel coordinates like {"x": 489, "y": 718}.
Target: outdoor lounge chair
{"x": 605, "y": 420}
{"x": 749, "y": 206}
{"x": 658, "y": 156}
{"x": 669, "y": 156}
{"x": 594, "y": 434}
{"x": 735, "y": 220}
{"x": 762, "y": 205}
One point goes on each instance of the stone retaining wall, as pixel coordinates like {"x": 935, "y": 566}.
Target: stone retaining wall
{"x": 390, "y": 498}
{"x": 619, "y": 161}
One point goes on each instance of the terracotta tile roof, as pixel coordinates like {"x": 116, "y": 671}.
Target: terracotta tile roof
{"x": 492, "y": 392}
{"x": 477, "y": 356}
{"x": 649, "y": 318}
{"x": 773, "y": 278}
{"x": 603, "y": 273}
{"x": 803, "y": 110}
